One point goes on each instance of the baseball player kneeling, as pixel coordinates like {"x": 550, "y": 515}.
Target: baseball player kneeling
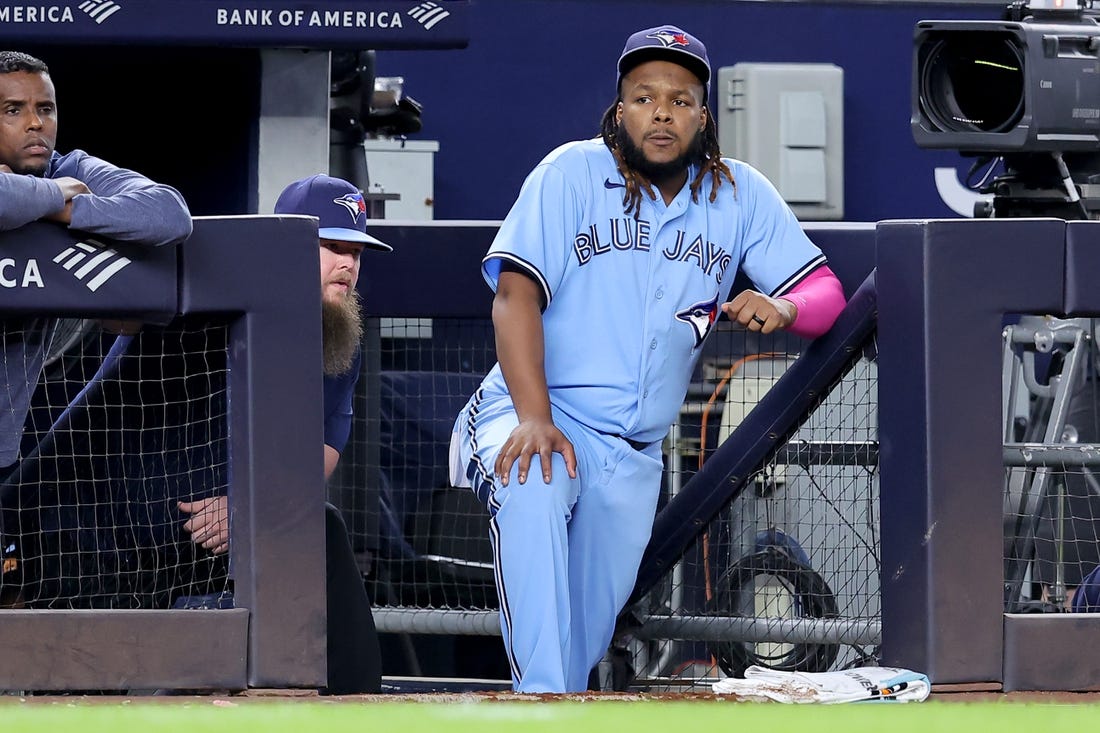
{"x": 609, "y": 273}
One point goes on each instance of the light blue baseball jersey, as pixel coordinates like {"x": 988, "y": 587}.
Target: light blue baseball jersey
{"x": 630, "y": 301}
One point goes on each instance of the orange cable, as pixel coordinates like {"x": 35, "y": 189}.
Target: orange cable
{"x": 703, "y": 446}
{"x": 709, "y": 591}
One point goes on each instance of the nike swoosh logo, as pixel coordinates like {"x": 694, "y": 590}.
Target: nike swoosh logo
{"x": 607, "y": 183}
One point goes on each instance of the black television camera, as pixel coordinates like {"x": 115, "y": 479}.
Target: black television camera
{"x": 1023, "y": 91}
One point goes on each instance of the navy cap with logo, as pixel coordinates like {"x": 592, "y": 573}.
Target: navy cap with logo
{"x": 338, "y": 206}
{"x": 666, "y": 43}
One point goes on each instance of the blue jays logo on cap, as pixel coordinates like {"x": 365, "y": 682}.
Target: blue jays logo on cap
{"x": 671, "y": 38}
{"x": 354, "y": 203}
{"x": 666, "y": 43}
{"x": 338, "y": 205}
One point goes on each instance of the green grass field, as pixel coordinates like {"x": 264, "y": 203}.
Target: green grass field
{"x": 88, "y": 716}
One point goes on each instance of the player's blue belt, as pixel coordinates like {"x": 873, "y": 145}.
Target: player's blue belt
{"x": 635, "y": 444}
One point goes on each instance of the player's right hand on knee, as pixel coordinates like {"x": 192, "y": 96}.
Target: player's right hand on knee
{"x": 532, "y": 437}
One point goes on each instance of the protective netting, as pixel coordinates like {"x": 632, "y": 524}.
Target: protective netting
{"x": 787, "y": 574}
{"x": 1052, "y": 454}
{"x": 126, "y": 421}
{"x": 426, "y": 544}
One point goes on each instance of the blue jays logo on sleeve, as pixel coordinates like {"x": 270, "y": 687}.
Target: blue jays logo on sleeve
{"x": 354, "y": 203}
{"x": 701, "y": 318}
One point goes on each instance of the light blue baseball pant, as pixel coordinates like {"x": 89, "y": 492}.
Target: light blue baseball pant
{"x": 566, "y": 554}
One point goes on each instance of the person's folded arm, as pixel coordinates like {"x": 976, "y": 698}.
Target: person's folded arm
{"x": 24, "y": 199}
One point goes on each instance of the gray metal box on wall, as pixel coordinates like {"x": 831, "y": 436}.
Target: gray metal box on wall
{"x": 787, "y": 121}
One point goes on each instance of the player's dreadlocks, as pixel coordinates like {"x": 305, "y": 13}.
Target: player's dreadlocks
{"x": 711, "y": 164}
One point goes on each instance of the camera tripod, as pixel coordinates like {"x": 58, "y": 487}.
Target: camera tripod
{"x": 1044, "y": 450}
{"x": 1057, "y": 185}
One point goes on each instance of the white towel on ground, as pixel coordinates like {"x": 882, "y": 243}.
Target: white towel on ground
{"x": 860, "y": 684}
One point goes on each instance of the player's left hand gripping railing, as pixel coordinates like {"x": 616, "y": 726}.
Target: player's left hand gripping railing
{"x": 260, "y": 274}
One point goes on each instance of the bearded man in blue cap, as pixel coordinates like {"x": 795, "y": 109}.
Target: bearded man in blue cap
{"x": 354, "y": 663}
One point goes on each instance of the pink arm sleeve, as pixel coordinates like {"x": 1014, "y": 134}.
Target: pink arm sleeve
{"x": 819, "y": 299}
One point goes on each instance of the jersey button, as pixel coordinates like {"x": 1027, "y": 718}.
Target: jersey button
{"x": 659, "y": 294}
{"x": 653, "y": 344}
{"x": 646, "y": 393}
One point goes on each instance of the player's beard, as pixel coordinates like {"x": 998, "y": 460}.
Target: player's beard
{"x": 635, "y": 158}
{"x": 341, "y": 332}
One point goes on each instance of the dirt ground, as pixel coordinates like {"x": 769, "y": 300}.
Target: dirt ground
{"x": 940, "y": 693}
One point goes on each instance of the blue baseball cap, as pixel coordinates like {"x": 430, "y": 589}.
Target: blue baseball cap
{"x": 666, "y": 43}
{"x": 337, "y": 204}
